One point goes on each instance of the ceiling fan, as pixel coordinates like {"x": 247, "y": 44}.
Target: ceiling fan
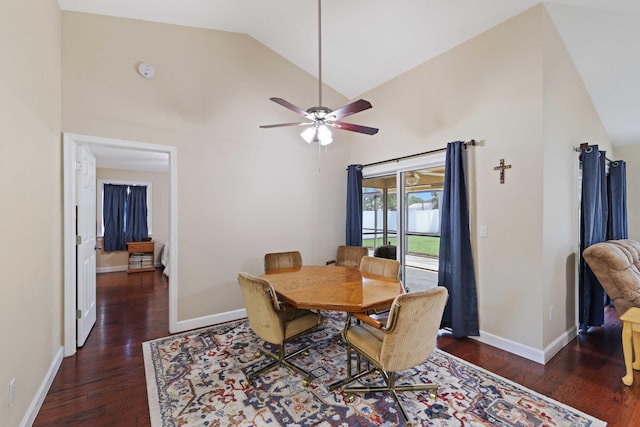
{"x": 320, "y": 118}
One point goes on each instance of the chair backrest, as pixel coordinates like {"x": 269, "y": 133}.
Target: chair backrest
{"x": 380, "y": 266}
{"x": 260, "y": 302}
{"x": 616, "y": 265}
{"x": 386, "y": 251}
{"x": 417, "y": 320}
{"x": 350, "y": 256}
{"x": 277, "y": 260}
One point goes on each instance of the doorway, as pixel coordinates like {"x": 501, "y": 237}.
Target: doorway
{"x": 401, "y": 218}
{"x": 70, "y": 144}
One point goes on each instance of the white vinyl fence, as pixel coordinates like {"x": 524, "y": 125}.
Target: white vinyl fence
{"x": 420, "y": 221}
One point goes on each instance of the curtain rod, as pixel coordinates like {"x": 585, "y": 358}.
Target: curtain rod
{"x": 471, "y": 142}
{"x": 585, "y": 145}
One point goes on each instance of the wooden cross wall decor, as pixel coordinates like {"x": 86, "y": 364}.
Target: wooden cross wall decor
{"x": 501, "y": 168}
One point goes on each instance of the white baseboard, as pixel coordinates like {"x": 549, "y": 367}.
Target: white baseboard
{"x": 114, "y": 268}
{"x": 511, "y": 346}
{"x": 32, "y": 412}
{"x": 559, "y": 343}
{"x": 201, "y": 322}
{"x": 111, "y": 269}
{"x": 534, "y": 354}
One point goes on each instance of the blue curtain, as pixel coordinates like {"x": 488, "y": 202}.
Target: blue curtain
{"x": 113, "y": 214}
{"x": 593, "y": 229}
{"x": 617, "y": 201}
{"x": 136, "y": 214}
{"x": 354, "y": 205}
{"x": 124, "y": 213}
{"x": 456, "y": 271}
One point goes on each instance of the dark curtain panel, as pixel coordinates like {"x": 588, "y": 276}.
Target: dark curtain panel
{"x": 136, "y": 214}
{"x": 354, "y": 205}
{"x": 456, "y": 271}
{"x": 113, "y": 211}
{"x": 593, "y": 229}
{"x": 617, "y": 201}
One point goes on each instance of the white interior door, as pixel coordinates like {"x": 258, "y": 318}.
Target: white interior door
{"x": 86, "y": 243}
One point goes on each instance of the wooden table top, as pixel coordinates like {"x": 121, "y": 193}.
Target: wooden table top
{"x": 333, "y": 288}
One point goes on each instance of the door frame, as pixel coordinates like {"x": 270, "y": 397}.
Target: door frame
{"x": 70, "y": 142}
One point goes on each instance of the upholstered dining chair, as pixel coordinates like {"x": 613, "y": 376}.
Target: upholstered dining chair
{"x": 275, "y": 322}
{"x": 406, "y": 340}
{"x": 386, "y": 251}
{"x": 349, "y": 256}
{"x": 277, "y": 260}
{"x": 380, "y": 266}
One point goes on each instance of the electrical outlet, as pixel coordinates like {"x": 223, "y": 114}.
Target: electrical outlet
{"x": 550, "y": 312}
{"x": 12, "y": 392}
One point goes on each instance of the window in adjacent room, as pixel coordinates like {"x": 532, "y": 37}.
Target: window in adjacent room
{"x": 100, "y": 202}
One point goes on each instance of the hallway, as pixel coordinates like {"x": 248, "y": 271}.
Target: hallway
{"x": 103, "y": 384}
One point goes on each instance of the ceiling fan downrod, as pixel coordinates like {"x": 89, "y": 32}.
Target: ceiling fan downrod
{"x": 319, "y": 53}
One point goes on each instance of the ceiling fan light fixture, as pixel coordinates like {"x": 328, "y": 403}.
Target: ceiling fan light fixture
{"x": 320, "y": 134}
{"x": 310, "y": 135}
{"x": 324, "y": 135}
{"x": 413, "y": 179}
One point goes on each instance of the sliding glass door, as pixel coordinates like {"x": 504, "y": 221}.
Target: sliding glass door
{"x": 422, "y": 191}
{"x": 401, "y": 216}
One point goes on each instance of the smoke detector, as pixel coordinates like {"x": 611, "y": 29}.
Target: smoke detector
{"x": 146, "y": 70}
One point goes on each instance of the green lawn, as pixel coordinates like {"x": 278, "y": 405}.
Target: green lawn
{"x": 418, "y": 245}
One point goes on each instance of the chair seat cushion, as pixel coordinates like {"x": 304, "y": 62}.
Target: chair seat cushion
{"x": 366, "y": 339}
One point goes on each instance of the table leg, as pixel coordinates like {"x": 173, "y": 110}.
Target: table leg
{"x": 627, "y": 349}
{"x": 636, "y": 350}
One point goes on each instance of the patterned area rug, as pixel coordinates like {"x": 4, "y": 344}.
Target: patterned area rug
{"x": 195, "y": 379}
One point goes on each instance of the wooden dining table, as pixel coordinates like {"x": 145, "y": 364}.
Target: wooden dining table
{"x": 334, "y": 288}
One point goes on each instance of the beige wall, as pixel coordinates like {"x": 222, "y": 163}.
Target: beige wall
{"x": 514, "y": 89}
{"x": 30, "y": 190}
{"x": 118, "y": 260}
{"x": 569, "y": 119}
{"x": 242, "y": 191}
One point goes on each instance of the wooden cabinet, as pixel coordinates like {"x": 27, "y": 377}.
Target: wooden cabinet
{"x": 141, "y": 256}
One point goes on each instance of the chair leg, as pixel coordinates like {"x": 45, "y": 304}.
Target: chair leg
{"x": 392, "y": 388}
{"x": 350, "y": 377}
{"x": 281, "y": 359}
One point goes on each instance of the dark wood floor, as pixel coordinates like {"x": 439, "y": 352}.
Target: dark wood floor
{"x": 104, "y": 383}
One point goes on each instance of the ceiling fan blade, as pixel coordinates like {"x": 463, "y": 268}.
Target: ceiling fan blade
{"x": 355, "y": 128}
{"x": 290, "y": 106}
{"x": 349, "y": 109}
{"x": 286, "y": 124}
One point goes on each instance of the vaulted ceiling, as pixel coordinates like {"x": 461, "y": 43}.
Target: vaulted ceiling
{"x": 368, "y": 42}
